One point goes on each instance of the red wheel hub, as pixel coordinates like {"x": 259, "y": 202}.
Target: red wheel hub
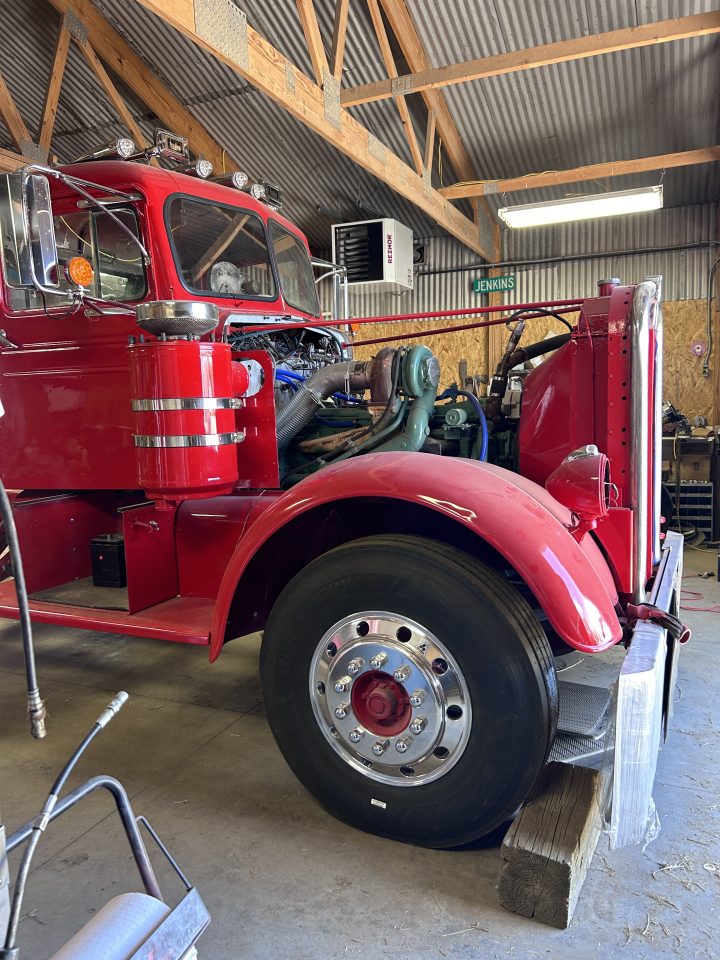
{"x": 380, "y": 703}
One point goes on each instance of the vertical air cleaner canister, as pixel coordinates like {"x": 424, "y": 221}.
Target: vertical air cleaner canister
{"x": 184, "y": 403}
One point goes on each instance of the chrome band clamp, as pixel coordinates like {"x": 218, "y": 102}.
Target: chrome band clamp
{"x": 187, "y": 403}
{"x": 189, "y": 440}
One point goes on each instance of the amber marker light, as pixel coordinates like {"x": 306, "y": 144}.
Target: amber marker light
{"x": 79, "y": 272}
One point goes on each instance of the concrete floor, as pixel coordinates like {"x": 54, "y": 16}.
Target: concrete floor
{"x": 283, "y": 878}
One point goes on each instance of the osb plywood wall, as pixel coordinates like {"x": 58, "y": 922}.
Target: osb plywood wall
{"x": 684, "y": 322}
{"x": 449, "y": 348}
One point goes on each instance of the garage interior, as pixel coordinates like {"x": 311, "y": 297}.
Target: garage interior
{"x": 435, "y": 122}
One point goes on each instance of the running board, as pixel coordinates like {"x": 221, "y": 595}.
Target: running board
{"x": 180, "y": 620}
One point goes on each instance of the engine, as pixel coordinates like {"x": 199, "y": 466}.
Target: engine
{"x": 296, "y": 354}
{"x": 330, "y": 407}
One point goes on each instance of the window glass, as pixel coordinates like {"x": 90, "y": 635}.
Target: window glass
{"x": 119, "y": 273}
{"x": 294, "y": 270}
{"x": 220, "y": 250}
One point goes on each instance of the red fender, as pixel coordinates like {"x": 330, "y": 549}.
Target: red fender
{"x": 520, "y": 519}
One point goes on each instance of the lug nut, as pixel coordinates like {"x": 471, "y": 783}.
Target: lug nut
{"x": 417, "y": 697}
{"x": 418, "y": 725}
{"x": 342, "y": 684}
{"x": 356, "y": 735}
{"x": 403, "y": 744}
{"x": 379, "y": 660}
{"x": 379, "y": 747}
{"x": 356, "y": 665}
{"x": 402, "y": 673}
{"x": 342, "y": 710}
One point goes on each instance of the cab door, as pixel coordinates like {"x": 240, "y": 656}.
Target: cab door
{"x": 65, "y": 384}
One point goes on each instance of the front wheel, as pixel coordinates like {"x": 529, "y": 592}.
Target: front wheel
{"x": 410, "y": 688}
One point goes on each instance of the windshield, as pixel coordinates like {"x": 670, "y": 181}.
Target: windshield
{"x": 294, "y": 269}
{"x": 220, "y": 250}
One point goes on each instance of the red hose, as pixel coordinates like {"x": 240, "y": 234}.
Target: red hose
{"x": 463, "y": 326}
{"x": 402, "y": 317}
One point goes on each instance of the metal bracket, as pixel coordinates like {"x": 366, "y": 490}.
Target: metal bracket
{"x": 376, "y": 148}
{"x": 490, "y": 187}
{"x": 401, "y": 85}
{"x": 33, "y": 151}
{"x": 75, "y": 27}
{"x": 331, "y": 99}
{"x": 289, "y": 77}
{"x": 224, "y": 26}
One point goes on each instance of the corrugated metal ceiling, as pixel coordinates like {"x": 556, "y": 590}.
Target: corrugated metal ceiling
{"x": 636, "y": 103}
{"x": 629, "y": 104}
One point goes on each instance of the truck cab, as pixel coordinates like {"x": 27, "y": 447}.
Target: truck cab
{"x": 205, "y": 242}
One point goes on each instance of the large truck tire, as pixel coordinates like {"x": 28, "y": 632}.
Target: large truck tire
{"x": 410, "y": 689}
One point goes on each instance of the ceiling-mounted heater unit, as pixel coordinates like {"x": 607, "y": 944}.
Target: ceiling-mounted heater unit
{"x": 378, "y": 254}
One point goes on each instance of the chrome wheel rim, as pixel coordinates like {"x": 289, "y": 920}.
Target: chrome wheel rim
{"x": 390, "y": 699}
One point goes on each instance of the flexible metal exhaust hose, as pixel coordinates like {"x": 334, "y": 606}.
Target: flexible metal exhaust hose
{"x": 313, "y": 392}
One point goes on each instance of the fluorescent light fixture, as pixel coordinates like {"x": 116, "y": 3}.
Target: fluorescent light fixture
{"x": 583, "y": 208}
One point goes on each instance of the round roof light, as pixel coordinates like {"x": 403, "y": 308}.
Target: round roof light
{"x": 203, "y": 168}
{"x": 125, "y": 147}
{"x": 239, "y": 180}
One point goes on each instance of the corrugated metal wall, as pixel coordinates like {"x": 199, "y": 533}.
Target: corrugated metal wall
{"x": 684, "y": 271}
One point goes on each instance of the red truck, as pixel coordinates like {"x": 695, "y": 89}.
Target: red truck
{"x": 196, "y": 457}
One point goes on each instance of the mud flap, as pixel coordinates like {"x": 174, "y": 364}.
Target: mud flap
{"x": 644, "y": 705}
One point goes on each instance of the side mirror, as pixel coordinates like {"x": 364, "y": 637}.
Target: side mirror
{"x": 40, "y": 232}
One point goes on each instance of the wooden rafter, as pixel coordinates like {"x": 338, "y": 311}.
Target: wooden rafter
{"x": 316, "y": 48}
{"x": 263, "y": 66}
{"x": 401, "y": 102}
{"x": 337, "y": 54}
{"x": 9, "y": 161}
{"x": 113, "y": 95}
{"x": 429, "y": 142}
{"x": 628, "y": 38}
{"x": 416, "y": 58}
{"x": 114, "y": 51}
{"x": 594, "y": 171}
{"x": 413, "y": 50}
{"x": 57, "y": 71}
{"x": 11, "y": 117}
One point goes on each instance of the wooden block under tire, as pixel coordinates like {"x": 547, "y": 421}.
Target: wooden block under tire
{"x": 547, "y": 850}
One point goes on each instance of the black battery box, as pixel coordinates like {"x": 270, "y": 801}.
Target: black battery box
{"x": 108, "y": 560}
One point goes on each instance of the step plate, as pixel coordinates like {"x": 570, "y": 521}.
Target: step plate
{"x": 571, "y": 747}
{"x": 584, "y": 710}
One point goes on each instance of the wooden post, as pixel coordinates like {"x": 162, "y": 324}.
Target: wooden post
{"x": 546, "y": 852}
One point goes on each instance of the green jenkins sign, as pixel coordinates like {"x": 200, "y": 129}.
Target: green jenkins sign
{"x": 494, "y": 284}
